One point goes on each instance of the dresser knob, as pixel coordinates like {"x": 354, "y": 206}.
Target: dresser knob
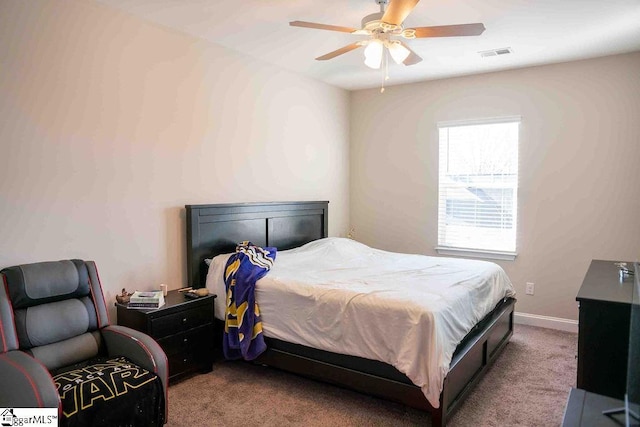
{"x": 184, "y": 320}
{"x": 185, "y": 340}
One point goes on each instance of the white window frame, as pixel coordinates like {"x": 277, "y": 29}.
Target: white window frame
{"x": 442, "y": 247}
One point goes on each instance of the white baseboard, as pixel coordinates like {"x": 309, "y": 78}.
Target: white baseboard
{"x": 546, "y": 322}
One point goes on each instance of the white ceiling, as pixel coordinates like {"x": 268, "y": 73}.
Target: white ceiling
{"x": 538, "y": 32}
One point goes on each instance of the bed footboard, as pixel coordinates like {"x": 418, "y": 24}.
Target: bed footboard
{"x": 476, "y": 354}
{"x": 472, "y": 358}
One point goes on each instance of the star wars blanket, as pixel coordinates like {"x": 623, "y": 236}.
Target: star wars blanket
{"x": 243, "y": 336}
{"x": 110, "y": 392}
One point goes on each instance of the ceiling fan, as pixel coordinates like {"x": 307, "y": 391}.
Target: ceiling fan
{"x": 383, "y": 29}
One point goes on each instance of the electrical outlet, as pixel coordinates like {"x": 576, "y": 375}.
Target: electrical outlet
{"x": 530, "y": 288}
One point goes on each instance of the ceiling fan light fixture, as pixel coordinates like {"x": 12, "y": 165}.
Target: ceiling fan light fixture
{"x": 398, "y": 52}
{"x": 373, "y": 54}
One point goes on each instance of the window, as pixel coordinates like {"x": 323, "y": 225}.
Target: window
{"x": 478, "y": 187}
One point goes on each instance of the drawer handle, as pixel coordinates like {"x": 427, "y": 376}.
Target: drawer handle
{"x": 184, "y": 320}
{"x": 184, "y": 360}
{"x": 185, "y": 340}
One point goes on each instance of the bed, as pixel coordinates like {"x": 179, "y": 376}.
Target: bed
{"x": 216, "y": 229}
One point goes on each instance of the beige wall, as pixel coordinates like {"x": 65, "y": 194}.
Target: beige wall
{"x": 110, "y": 125}
{"x": 579, "y": 195}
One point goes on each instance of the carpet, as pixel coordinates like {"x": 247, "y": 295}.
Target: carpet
{"x": 527, "y": 386}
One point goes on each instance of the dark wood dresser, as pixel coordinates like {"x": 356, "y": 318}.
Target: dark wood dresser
{"x": 603, "y": 333}
{"x": 183, "y": 328}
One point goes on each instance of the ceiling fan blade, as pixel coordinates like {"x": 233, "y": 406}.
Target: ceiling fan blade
{"x": 340, "y": 51}
{"x": 450, "y": 30}
{"x": 398, "y": 11}
{"x": 413, "y": 57}
{"x": 322, "y": 26}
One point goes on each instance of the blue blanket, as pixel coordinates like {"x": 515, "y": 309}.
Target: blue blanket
{"x": 242, "y": 336}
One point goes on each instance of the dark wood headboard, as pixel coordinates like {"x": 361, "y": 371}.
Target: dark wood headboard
{"x": 217, "y": 229}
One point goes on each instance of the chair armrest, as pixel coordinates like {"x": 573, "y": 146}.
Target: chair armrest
{"x": 141, "y": 349}
{"x": 26, "y": 383}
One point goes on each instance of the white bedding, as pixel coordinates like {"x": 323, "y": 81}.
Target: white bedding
{"x": 409, "y": 311}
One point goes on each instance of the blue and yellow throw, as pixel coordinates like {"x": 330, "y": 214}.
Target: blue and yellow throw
{"x": 242, "y": 325}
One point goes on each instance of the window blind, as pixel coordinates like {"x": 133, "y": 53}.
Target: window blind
{"x": 478, "y": 184}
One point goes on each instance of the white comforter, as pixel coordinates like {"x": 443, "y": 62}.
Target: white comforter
{"x": 409, "y": 311}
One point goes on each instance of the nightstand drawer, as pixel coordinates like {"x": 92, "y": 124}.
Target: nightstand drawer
{"x": 178, "y": 322}
{"x": 197, "y": 338}
{"x": 188, "y": 361}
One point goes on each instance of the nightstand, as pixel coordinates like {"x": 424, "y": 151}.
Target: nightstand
{"x": 183, "y": 327}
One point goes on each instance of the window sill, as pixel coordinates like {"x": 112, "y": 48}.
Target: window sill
{"x": 476, "y": 253}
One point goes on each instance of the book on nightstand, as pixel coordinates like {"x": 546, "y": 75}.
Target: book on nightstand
{"x": 146, "y": 299}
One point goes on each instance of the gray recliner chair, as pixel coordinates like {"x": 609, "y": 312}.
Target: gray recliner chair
{"x": 58, "y": 349}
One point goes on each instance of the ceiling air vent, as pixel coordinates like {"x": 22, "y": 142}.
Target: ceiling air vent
{"x": 495, "y": 52}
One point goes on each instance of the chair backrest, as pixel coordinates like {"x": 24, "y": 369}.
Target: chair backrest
{"x": 58, "y": 309}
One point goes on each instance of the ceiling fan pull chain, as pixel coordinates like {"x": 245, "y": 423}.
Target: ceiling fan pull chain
{"x": 385, "y": 70}
{"x": 386, "y": 65}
